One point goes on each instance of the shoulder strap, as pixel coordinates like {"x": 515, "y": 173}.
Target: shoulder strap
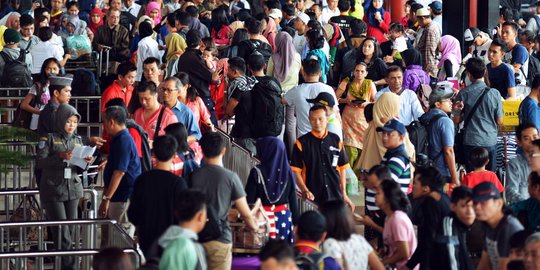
{"x": 537, "y": 19}
{"x": 422, "y": 81}
{"x": 474, "y": 108}
{"x": 158, "y": 124}
{"x": 431, "y": 122}
{"x": 22, "y": 56}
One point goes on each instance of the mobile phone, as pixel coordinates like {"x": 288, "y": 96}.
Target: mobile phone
{"x": 358, "y": 101}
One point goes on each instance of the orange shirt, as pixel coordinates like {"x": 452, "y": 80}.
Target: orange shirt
{"x": 474, "y": 178}
{"x": 115, "y": 91}
{"x": 151, "y": 123}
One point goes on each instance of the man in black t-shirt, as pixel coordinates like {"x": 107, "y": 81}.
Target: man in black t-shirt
{"x": 343, "y": 20}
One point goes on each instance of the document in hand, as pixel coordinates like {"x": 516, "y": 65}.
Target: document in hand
{"x": 79, "y": 154}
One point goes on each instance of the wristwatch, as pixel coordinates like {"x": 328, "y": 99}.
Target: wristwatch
{"x": 105, "y": 198}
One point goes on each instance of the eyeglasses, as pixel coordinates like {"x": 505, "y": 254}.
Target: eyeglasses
{"x": 169, "y": 90}
{"x": 531, "y": 155}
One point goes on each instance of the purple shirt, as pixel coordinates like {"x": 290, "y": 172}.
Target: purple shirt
{"x": 414, "y": 76}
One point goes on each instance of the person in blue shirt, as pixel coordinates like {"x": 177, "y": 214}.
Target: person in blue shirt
{"x": 501, "y": 76}
{"x": 529, "y": 110}
{"x": 517, "y": 55}
{"x": 530, "y": 207}
{"x": 123, "y": 167}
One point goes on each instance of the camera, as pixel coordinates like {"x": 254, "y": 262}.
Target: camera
{"x": 518, "y": 81}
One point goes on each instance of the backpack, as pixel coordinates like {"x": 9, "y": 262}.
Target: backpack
{"x": 190, "y": 165}
{"x": 419, "y": 137}
{"x": 534, "y": 68}
{"x": 261, "y": 47}
{"x": 422, "y": 92}
{"x": 84, "y": 83}
{"x": 16, "y": 72}
{"x": 268, "y": 111}
{"x": 313, "y": 261}
{"x": 146, "y": 159}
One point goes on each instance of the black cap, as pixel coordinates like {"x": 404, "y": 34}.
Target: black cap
{"x": 485, "y": 191}
{"x": 311, "y": 222}
{"x": 323, "y": 98}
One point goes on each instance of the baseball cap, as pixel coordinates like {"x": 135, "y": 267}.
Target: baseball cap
{"x": 470, "y": 34}
{"x": 323, "y": 98}
{"x": 423, "y": 12}
{"x": 485, "y": 191}
{"x": 275, "y": 13}
{"x": 436, "y": 6}
{"x": 304, "y": 17}
{"x": 11, "y": 36}
{"x": 65, "y": 80}
{"x": 311, "y": 222}
{"x": 393, "y": 125}
{"x": 440, "y": 93}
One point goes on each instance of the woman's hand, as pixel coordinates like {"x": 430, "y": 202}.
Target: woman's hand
{"x": 378, "y": 16}
{"x": 66, "y": 155}
{"x": 89, "y": 159}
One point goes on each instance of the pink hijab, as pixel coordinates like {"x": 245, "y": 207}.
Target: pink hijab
{"x": 284, "y": 56}
{"x": 450, "y": 50}
{"x": 151, "y": 6}
{"x": 270, "y": 33}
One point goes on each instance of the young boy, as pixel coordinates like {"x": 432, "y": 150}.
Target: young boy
{"x": 374, "y": 177}
{"x": 479, "y": 158}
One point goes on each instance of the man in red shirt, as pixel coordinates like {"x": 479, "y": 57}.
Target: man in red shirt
{"x": 122, "y": 87}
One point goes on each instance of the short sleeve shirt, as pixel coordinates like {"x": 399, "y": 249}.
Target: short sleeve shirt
{"x": 497, "y": 243}
{"x": 354, "y": 251}
{"x": 149, "y": 125}
{"x": 501, "y": 78}
{"x": 398, "y": 228}
{"x": 122, "y": 157}
{"x": 320, "y": 160}
{"x": 529, "y": 111}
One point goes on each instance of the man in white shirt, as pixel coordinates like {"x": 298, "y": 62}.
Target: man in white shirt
{"x": 131, "y": 7}
{"x": 411, "y": 109}
{"x": 300, "y": 25}
{"x": 534, "y": 22}
{"x": 330, "y": 11}
{"x": 480, "y": 44}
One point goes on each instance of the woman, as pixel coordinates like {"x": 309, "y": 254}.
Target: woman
{"x": 176, "y": 46}
{"x": 359, "y": 92}
{"x": 371, "y": 55}
{"x": 377, "y": 20}
{"x": 135, "y": 41}
{"x": 147, "y": 47}
{"x": 39, "y": 94}
{"x": 188, "y": 96}
{"x": 153, "y": 10}
{"x": 273, "y": 182}
{"x": 430, "y": 206}
{"x": 385, "y": 108}
{"x": 59, "y": 187}
{"x": 96, "y": 20}
{"x": 184, "y": 162}
{"x": 348, "y": 248}
{"x": 221, "y": 32}
{"x": 270, "y": 31}
{"x": 398, "y": 232}
{"x": 450, "y": 57}
{"x": 414, "y": 75}
{"x": 315, "y": 43}
{"x": 285, "y": 63}
{"x": 239, "y": 36}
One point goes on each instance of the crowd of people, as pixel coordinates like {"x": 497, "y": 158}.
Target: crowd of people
{"x": 323, "y": 93}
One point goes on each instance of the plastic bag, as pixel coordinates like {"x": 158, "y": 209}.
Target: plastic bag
{"x": 78, "y": 46}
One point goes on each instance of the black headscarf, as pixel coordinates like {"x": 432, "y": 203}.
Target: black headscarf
{"x": 412, "y": 57}
{"x": 145, "y": 29}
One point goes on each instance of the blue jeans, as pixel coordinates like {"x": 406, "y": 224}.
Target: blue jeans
{"x": 492, "y": 151}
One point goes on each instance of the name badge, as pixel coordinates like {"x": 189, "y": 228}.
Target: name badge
{"x": 335, "y": 160}
{"x": 67, "y": 173}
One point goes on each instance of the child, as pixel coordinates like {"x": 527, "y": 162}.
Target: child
{"x": 396, "y": 44}
{"x": 479, "y": 158}
{"x": 210, "y": 56}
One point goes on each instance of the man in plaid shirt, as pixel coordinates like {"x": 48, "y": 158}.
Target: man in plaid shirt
{"x": 428, "y": 42}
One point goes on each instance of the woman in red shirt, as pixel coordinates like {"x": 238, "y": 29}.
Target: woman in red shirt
{"x": 377, "y": 20}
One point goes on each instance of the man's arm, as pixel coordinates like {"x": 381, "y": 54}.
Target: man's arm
{"x": 450, "y": 160}
{"x": 229, "y": 107}
{"x": 245, "y": 213}
{"x": 109, "y": 192}
{"x": 302, "y": 186}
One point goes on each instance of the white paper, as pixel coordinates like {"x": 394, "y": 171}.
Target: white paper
{"x": 79, "y": 153}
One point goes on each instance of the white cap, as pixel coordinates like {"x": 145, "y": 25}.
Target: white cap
{"x": 423, "y": 12}
{"x": 304, "y": 17}
{"x": 275, "y": 13}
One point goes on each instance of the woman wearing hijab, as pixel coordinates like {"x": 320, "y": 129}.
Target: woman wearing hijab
{"x": 176, "y": 45}
{"x": 385, "y": 108}
{"x": 96, "y": 20}
{"x": 153, "y": 10}
{"x": 147, "y": 47}
{"x": 450, "y": 57}
{"x": 377, "y": 20}
{"x": 285, "y": 66}
{"x": 414, "y": 75}
{"x": 273, "y": 182}
{"x": 270, "y": 31}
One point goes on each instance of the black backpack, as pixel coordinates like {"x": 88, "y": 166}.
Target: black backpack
{"x": 533, "y": 69}
{"x": 16, "y": 72}
{"x": 313, "y": 261}
{"x": 419, "y": 137}
{"x": 146, "y": 159}
{"x": 84, "y": 83}
{"x": 260, "y": 47}
{"x": 268, "y": 111}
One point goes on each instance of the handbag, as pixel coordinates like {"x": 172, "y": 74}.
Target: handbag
{"x": 459, "y": 154}
{"x": 28, "y": 210}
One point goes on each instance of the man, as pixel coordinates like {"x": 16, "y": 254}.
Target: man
{"x": 428, "y": 42}
{"x": 221, "y": 187}
{"x": 310, "y": 234}
{"x": 529, "y": 111}
{"x": 113, "y": 35}
{"x": 289, "y": 16}
{"x": 200, "y": 75}
{"x": 277, "y": 255}
{"x": 436, "y": 9}
{"x": 297, "y": 96}
{"x": 60, "y": 89}
{"x": 131, "y": 7}
{"x": 28, "y": 40}
{"x": 517, "y": 169}
{"x": 396, "y": 157}
{"x": 239, "y": 103}
{"x": 123, "y": 167}
{"x": 179, "y": 242}
{"x": 517, "y": 55}
{"x": 499, "y": 227}
{"x": 330, "y": 11}
{"x": 453, "y": 249}
{"x": 319, "y": 161}
{"x": 411, "y": 109}
{"x": 183, "y": 21}
{"x": 480, "y": 44}
{"x": 122, "y": 87}
{"x": 441, "y": 133}
{"x": 12, "y": 51}
{"x": 152, "y": 202}
{"x": 483, "y": 125}
{"x": 532, "y": 247}
{"x": 300, "y": 25}
{"x": 327, "y": 100}
{"x": 343, "y": 20}
{"x": 151, "y": 71}
{"x": 196, "y": 23}
{"x": 526, "y": 38}
{"x": 254, "y": 43}
{"x": 501, "y": 76}
{"x": 170, "y": 91}
{"x": 530, "y": 208}
{"x": 533, "y": 24}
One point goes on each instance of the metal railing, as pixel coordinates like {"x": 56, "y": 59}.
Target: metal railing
{"x": 83, "y": 236}
{"x": 14, "y": 91}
